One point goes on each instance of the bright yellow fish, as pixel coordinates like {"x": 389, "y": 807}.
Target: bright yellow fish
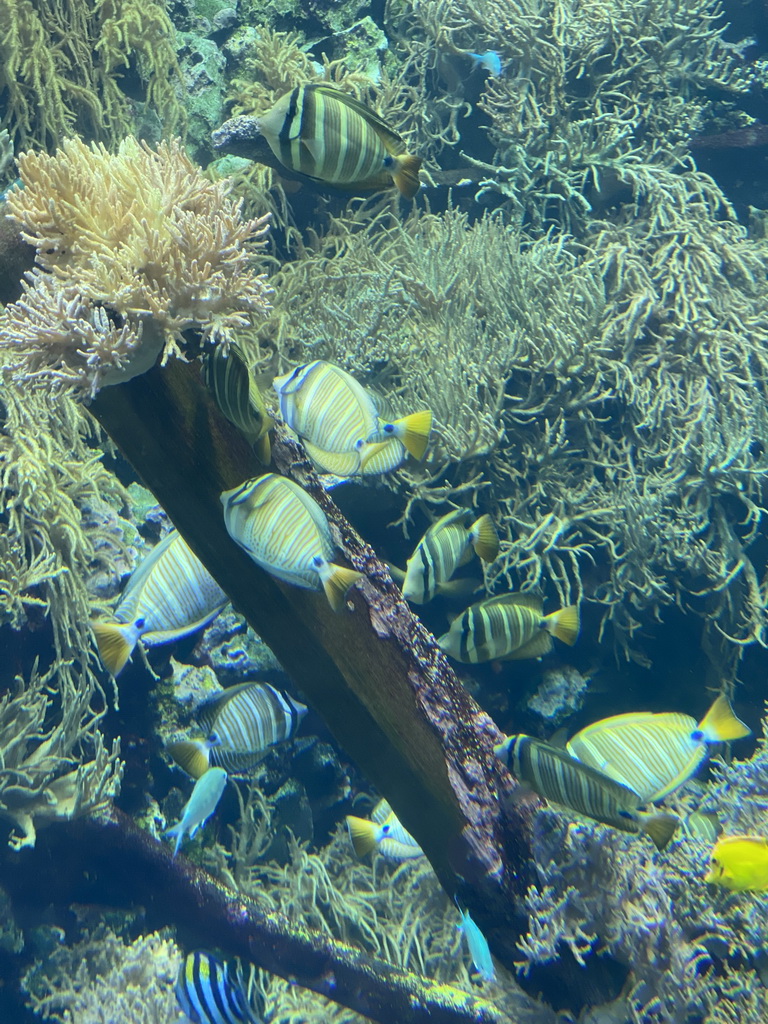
{"x": 740, "y": 863}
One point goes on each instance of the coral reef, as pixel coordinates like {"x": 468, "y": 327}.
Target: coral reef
{"x": 61, "y": 68}
{"x": 133, "y": 249}
{"x": 694, "y": 951}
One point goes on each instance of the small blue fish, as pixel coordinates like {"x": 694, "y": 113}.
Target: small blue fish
{"x": 477, "y": 945}
{"x": 200, "y": 806}
{"x": 211, "y": 992}
{"x": 489, "y": 61}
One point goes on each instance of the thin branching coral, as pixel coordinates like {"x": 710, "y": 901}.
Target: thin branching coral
{"x": 133, "y": 249}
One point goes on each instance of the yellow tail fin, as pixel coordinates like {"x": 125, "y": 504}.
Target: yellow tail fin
{"x": 406, "y": 174}
{"x": 116, "y": 641}
{"x": 413, "y": 431}
{"x": 485, "y": 540}
{"x": 660, "y": 827}
{"x": 564, "y": 625}
{"x": 262, "y": 446}
{"x": 336, "y": 581}
{"x": 363, "y": 835}
{"x": 191, "y": 755}
{"x": 720, "y": 724}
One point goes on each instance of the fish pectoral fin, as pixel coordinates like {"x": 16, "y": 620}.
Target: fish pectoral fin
{"x": 538, "y": 646}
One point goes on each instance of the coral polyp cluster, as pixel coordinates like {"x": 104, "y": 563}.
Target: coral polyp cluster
{"x": 133, "y": 249}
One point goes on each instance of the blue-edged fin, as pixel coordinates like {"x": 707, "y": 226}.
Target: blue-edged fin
{"x": 363, "y": 834}
{"x": 720, "y": 724}
{"x": 485, "y": 540}
{"x": 116, "y": 642}
{"x": 191, "y": 755}
{"x": 564, "y": 624}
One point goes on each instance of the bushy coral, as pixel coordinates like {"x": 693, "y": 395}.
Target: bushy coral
{"x": 134, "y": 249}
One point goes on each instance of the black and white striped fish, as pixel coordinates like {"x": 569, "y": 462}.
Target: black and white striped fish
{"x": 507, "y": 627}
{"x": 169, "y": 596}
{"x": 445, "y": 546}
{"x": 237, "y": 395}
{"x": 328, "y": 136}
{"x": 560, "y": 778}
{"x": 209, "y": 991}
{"x": 239, "y": 725}
{"x": 286, "y": 532}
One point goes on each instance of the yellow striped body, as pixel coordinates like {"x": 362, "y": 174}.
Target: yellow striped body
{"x": 281, "y": 527}
{"x": 653, "y": 753}
{"x": 238, "y": 397}
{"x": 244, "y": 721}
{"x": 556, "y": 776}
{"x": 330, "y": 137}
{"x": 498, "y": 628}
{"x": 172, "y": 592}
{"x": 326, "y": 406}
{"x": 385, "y": 833}
{"x": 444, "y": 547}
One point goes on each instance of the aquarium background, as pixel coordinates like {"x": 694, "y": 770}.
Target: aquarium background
{"x": 578, "y": 293}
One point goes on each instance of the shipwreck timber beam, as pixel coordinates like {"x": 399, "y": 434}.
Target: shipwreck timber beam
{"x": 373, "y": 672}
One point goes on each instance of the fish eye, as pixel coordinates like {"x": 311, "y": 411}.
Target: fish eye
{"x": 389, "y": 428}
{"x": 388, "y": 160}
{"x": 697, "y": 735}
{"x": 317, "y": 561}
{"x": 140, "y": 623}
{"x": 385, "y": 829}
{"x": 214, "y": 739}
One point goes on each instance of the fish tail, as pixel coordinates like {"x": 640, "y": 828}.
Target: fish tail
{"x": 564, "y": 625}
{"x": 337, "y": 580}
{"x": 659, "y": 827}
{"x": 413, "y": 432}
{"x": 485, "y": 540}
{"x": 178, "y": 832}
{"x": 406, "y": 174}
{"x": 363, "y": 835}
{"x": 116, "y": 641}
{"x": 721, "y": 724}
{"x": 191, "y": 755}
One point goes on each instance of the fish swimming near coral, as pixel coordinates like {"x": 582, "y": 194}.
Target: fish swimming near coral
{"x": 286, "y": 532}
{"x": 330, "y": 137}
{"x": 477, "y": 944}
{"x": 556, "y": 776}
{"x": 488, "y": 61}
{"x": 170, "y": 595}
{"x": 237, "y": 395}
{"x": 508, "y": 627}
{"x": 654, "y": 753}
{"x": 339, "y": 422}
{"x": 445, "y": 546}
{"x": 240, "y": 726}
{"x": 209, "y": 991}
{"x": 383, "y": 832}
{"x": 740, "y": 863}
{"x": 200, "y": 806}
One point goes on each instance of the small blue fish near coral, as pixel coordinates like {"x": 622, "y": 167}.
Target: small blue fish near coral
{"x": 489, "y": 61}
{"x": 477, "y": 944}
{"x": 211, "y": 992}
{"x": 200, "y": 806}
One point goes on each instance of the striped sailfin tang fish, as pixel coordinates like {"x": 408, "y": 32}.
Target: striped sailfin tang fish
{"x": 382, "y": 832}
{"x": 170, "y": 595}
{"x": 210, "y": 991}
{"x": 330, "y": 137}
{"x": 510, "y": 626}
{"x": 284, "y": 530}
{"x": 237, "y": 395}
{"x": 556, "y": 776}
{"x": 447, "y": 544}
{"x": 654, "y": 753}
{"x": 327, "y": 406}
{"x": 240, "y": 725}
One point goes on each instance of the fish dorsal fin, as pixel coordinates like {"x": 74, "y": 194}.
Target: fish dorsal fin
{"x": 532, "y": 601}
{"x": 381, "y": 812}
{"x": 559, "y": 739}
{"x": 393, "y": 142}
{"x": 458, "y": 516}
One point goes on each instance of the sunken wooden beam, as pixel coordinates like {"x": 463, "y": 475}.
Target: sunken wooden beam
{"x": 109, "y": 860}
{"x": 373, "y": 672}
